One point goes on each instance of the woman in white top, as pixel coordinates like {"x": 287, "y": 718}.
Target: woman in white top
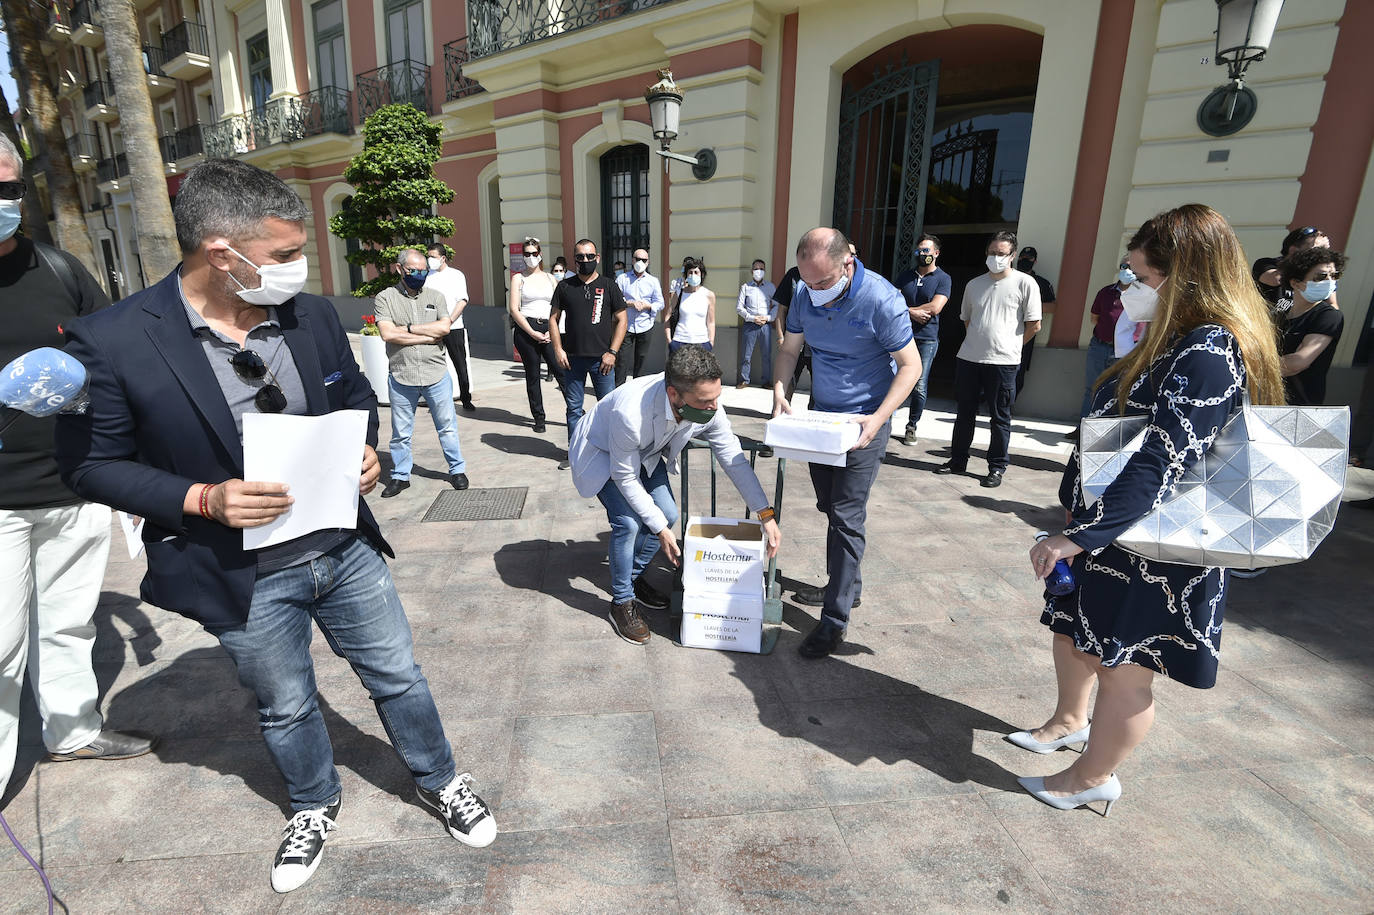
{"x": 691, "y": 310}
{"x": 531, "y": 294}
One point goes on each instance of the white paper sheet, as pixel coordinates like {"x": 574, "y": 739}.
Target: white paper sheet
{"x": 318, "y": 457}
{"x": 133, "y": 532}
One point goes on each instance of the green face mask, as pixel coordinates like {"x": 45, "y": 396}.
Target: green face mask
{"x": 696, "y": 414}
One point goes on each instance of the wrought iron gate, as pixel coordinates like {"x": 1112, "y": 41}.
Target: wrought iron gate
{"x": 883, "y": 162}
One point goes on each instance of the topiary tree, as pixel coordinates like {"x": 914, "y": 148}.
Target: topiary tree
{"x": 395, "y": 192}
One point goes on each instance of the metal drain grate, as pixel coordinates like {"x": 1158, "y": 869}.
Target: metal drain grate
{"x": 504, "y": 504}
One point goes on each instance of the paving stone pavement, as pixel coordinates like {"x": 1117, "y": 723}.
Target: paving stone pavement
{"x": 630, "y": 779}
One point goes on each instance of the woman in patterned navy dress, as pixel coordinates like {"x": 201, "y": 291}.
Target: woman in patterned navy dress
{"x": 1210, "y": 336}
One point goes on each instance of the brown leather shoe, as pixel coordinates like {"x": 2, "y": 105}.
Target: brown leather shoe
{"x": 628, "y": 624}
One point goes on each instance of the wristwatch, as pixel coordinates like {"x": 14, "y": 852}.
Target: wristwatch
{"x": 767, "y": 514}
{"x": 408, "y": 328}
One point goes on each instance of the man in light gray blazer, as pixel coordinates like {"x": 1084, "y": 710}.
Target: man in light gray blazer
{"x": 622, "y": 453}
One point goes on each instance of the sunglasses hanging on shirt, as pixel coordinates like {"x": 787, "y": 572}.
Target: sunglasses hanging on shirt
{"x": 250, "y": 366}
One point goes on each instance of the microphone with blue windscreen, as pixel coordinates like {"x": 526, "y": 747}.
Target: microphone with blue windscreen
{"x": 42, "y": 382}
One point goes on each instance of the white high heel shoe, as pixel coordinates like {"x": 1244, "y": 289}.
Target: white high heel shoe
{"x": 1109, "y": 791}
{"x": 1025, "y": 741}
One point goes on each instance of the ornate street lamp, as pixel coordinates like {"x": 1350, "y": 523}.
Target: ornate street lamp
{"x": 665, "y": 113}
{"x": 1244, "y": 30}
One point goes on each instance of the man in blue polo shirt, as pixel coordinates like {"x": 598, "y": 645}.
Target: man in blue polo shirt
{"x": 864, "y": 362}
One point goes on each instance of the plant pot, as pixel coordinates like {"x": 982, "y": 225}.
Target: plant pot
{"x": 375, "y": 367}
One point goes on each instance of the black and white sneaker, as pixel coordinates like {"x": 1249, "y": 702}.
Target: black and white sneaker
{"x": 466, "y": 815}
{"x": 302, "y": 844}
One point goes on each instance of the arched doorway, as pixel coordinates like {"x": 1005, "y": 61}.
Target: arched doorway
{"x": 934, "y": 138}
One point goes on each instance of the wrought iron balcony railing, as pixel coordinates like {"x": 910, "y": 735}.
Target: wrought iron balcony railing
{"x": 188, "y": 37}
{"x": 456, "y": 85}
{"x": 499, "y": 25}
{"x": 85, "y": 12}
{"x": 83, "y": 146}
{"x": 181, "y": 143}
{"x": 112, "y": 168}
{"x": 98, "y": 92}
{"x": 283, "y": 120}
{"x": 396, "y": 83}
{"x": 153, "y": 58}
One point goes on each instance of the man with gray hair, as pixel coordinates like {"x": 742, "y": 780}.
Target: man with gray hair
{"x": 173, "y": 371}
{"x": 622, "y": 453}
{"x": 53, "y": 545}
{"x": 413, "y": 319}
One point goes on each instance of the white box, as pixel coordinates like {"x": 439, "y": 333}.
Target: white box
{"x": 813, "y": 436}
{"x": 708, "y": 603}
{"x": 703, "y": 630}
{"x": 811, "y": 457}
{"x": 723, "y": 556}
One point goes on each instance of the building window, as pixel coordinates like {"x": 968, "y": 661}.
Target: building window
{"x": 624, "y": 203}
{"x": 351, "y": 246}
{"x": 259, "y": 70}
{"x": 331, "y": 62}
{"x": 405, "y": 30}
{"x": 978, "y": 165}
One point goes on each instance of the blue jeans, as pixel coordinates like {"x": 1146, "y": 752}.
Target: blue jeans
{"x": 404, "y": 399}
{"x": 632, "y": 544}
{"x": 842, "y": 496}
{"x": 575, "y": 386}
{"x": 760, "y": 335}
{"x": 349, "y": 593}
{"x": 917, "y": 404}
{"x": 1100, "y": 357}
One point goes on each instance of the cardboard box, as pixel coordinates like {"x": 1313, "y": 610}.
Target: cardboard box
{"x": 730, "y": 633}
{"x": 740, "y": 606}
{"x": 723, "y": 556}
{"x": 811, "y": 457}
{"x": 813, "y": 436}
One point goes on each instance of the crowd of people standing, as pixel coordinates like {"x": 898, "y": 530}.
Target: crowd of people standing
{"x": 1182, "y": 335}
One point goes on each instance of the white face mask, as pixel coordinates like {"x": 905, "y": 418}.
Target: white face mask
{"x": 533, "y": 260}
{"x": 824, "y": 297}
{"x": 641, "y": 266}
{"x": 434, "y": 263}
{"x": 758, "y": 276}
{"x": 280, "y": 282}
{"x": 998, "y": 263}
{"x": 1139, "y": 302}
{"x": 1318, "y": 290}
{"x": 11, "y": 214}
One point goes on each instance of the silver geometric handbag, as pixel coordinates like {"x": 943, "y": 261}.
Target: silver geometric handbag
{"x": 1264, "y": 494}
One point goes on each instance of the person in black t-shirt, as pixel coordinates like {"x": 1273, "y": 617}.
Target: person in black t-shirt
{"x": 53, "y": 545}
{"x": 787, "y": 288}
{"x": 1313, "y": 327}
{"x": 1025, "y": 263}
{"x": 590, "y": 342}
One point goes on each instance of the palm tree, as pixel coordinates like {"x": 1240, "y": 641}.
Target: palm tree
{"x": 157, "y": 237}
{"x": 40, "y": 102}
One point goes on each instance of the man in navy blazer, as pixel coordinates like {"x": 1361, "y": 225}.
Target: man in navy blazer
{"x": 173, "y": 369}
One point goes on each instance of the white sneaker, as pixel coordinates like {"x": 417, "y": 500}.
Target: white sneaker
{"x": 466, "y": 815}
{"x": 302, "y": 845}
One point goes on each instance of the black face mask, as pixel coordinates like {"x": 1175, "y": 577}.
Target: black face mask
{"x": 1025, "y": 265}
{"x": 586, "y": 268}
{"x": 925, "y": 260}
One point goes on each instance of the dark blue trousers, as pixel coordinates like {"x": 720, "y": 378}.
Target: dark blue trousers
{"x": 995, "y": 386}
{"x": 842, "y": 495}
